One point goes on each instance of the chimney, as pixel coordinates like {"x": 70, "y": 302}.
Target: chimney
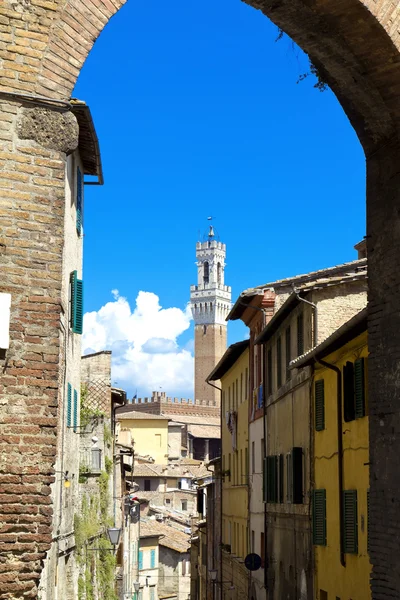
{"x": 361, "y": 248}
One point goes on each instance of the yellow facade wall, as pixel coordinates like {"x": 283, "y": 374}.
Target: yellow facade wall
{"x": 235, "y": 485}
{"x": 150, "y": 437}
{"x": 332, "y": 580}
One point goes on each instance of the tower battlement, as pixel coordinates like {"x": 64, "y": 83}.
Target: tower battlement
{"x": 159, "y": 403}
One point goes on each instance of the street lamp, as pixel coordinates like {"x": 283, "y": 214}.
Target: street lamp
{"x": 114, "y": 533}
{"x": 213, "y": 574}
{"x": 136, "y": 586}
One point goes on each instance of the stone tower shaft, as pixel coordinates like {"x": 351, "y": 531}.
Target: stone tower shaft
{"x": 210, "y": 303}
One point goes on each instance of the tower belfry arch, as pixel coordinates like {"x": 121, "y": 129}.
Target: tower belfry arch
{"x": 210, "y": 301}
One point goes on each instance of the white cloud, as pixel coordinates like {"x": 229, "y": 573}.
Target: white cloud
{"x": 145, "y": 352}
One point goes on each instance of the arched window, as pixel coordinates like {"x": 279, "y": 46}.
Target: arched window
{"x": 219, "y": 273}
{"x": 204, "y": 329}
{"x": 205, "y": 307}
{"x": 206, "y": 272}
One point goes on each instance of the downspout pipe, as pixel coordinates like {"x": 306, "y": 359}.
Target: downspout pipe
{"x": 315, "y": 320}
{"x": 340, "y": 450}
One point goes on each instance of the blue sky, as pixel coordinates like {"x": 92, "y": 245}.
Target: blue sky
{"x": 199, "y": 113}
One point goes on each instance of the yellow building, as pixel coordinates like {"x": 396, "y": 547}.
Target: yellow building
{"x": 341, "y": 458}
{"x": 149, "y": 434}
{"x": 232, "y": 370}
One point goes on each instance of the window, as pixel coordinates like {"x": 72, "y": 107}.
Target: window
{"x": 246, "y": 383}
{"x": 229, "y": 466}
{"x": 323, "y": 595}
{"x": 75, "y": 410}
{"x": 270, "y": 478}
{"x": 349, "y": 412}
{"x": 350, "y": 525}
{"x": 262, "y": 549}
{"x": 246, "y": 465}
{"x": 279, "y": 362}
{"x": 152, "y": 559}
{"x": 147, "y": 485}
{"x": 359, "y": 385}
{"x": 320, "y": 405}
{"x": 269, "y": 372}
{"x": 294, "y": 476}
{"x": 219, "y": 273}
{"x": 79, "y": 190}
{"x": 69, "y": 405}
{"x": 288, "y": 351}
{"x": 206, "y": 272}
{"x": 184, "y": 505}
{"x": 96, "y": 459}
{"x": 241, "y": 388}
{"x": 152, "y": 592}
{"x": 300, "y": 334}
{"x": 204, "y": 329}
{"x": 237, "y": 394}
{"x": 76, "y": 289}
{"x": 319, "y": 517}
{"x": 167, "y": 500}
{"x": 253, "y": 457}
{"x": 280, "y": 478}
{"x": 140, "y": 559}
{"x": 200, "y": 501}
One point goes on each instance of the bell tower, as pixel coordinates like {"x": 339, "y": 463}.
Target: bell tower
{"x": 210, "y": 302}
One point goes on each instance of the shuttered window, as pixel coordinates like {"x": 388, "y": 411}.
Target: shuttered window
{"x": 200, "y": 501}
{"x": 300, "y": 334}
{"x": 280, "y": 477}
{"x": 319, "y": 517}
{"x": 297, "y": 468}
{"x": 76, "y": 303}
{"x": 368, "y": 521}
{"x": 359, "y": 388}
{"x": 279, "y": 362}
{"x": 320, "y": 405}
{"x": 350, "y": 527}
{"x": 152, "y": 559}
{"x": 69, "y": 405}
{"x": 269, "y": 372}
{"x": 79, "y": 203}
{"x": 271, "y": 479}
{"x": 140, "y": 559}
{"x": 348, "y": 392}
{"x": 288, "y": 352}
{"x": 75, "y": 410}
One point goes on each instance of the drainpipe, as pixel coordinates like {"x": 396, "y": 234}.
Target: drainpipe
{"x": 315, "y": 320}
{"x": 340, "y": 450}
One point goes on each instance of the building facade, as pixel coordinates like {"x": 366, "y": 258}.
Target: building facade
{"x": 295, "y": 315}
{"x": 340, "y": 462}
{"x": 233, "y": 372}
{"x": 210, "y": 300}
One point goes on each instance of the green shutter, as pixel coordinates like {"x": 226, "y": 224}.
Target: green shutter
{"x": 281, "y": 476}
{"x": 320, "y": 405}
{"x": 348, "y": 392}
{"x": 350, "y": 526}
{"x": 368, "y": 513}
{"x": 279, "y": 362}
{"x": 265, "y": 479}
{"x": 76, "y": 303}
{"x": 359, "y": 387}
{"x": 75, "y": 410}
{"x": 300, "y": 335}
{"x": 288, "y": 352}
{"x": 319, "y": 517}
{"x": 69, "y": 405}
{"x": 79, "y": 201}
{"x": 271, "y": 478}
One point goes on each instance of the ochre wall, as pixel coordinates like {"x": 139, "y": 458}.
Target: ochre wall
{"x": 351, "y": 581}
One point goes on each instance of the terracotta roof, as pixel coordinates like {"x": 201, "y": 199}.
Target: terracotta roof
{"x": 133, "y": 415}
{"x": 169, "y": 536}
{"x": 205, "y": 431}
{"x": 187, "y": 419}
{"x": 246, "y": 296}
{"x": 89, "y": 148}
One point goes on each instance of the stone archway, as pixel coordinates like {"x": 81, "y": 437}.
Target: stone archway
{"x": 44, "y": 43}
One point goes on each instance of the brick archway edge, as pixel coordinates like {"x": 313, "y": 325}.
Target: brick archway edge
{"x": 43, "y": 45}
